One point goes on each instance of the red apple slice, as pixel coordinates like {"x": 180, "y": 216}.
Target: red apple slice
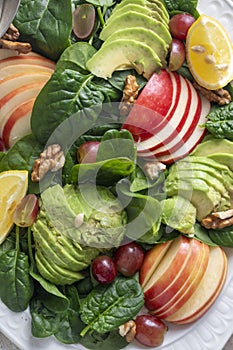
{"x": 207, "y": 290}
{"x": 186, "y": 126}
{"x": 189, "y": 286}
{"x": 168, "y": 268}
{"x": 17, "y": 80}
{"x": 18, "y": 124}
{"x": 24, "y": 69}
{"x": 151, "y": 261}
{"x": 25, "y": 60}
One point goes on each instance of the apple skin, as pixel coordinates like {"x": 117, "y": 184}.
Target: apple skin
{"x": 169, "y": 267}
{"x": 151, "y": 261}
{"x": 188, "y": 287}
{"x": 207, "y": 291}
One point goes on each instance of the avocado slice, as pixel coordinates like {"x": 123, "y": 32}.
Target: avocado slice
{"x": 204, "y": 198}
{"x": 143, "y": 35}
{"x": 124, "y": 54}
{"x": 191, "y": 166}
{"x": 223, "y": 158}
{"x": 134, "y": 19}
{"x": 140, "y": 9}
{"x": 213, "y": 145}
{"x": 179, "y": 214}
{"x": 154, "y": 5}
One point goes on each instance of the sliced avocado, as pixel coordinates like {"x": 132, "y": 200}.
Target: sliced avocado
{"x": 190, "y": 174}
{"x": 134, "y": 19}
{"x": 154, "y": 5}
{"x": 204, "y": 198}
{"x": 223, "y": 158}
{"x": 219, "y": 170}
{"x": 124, "y": 54}
{"x": 137, "y": 8}
{"x": 143, "y": 35}
{"x": 60, "y": 275}
{"x": 179, "y": 214}
{"x": 213, "y": 146}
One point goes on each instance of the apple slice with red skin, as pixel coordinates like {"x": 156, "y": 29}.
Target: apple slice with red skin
{"x": 168, "y": 268}
{"x": 25, "y": 60}
{"x": 172, "y": 122}
{"x": 24, "y": 69}
{"x": 18, "y": 124}
{"x": 153, "y": 104}
{"x": 188, "y": 287}
{"x": 151, "y": 261}
{"x": 185, "y": 127}
{"x": 207, "y": 290}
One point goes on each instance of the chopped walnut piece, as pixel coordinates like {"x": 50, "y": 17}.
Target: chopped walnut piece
{"x": 153, "y": 169}
{"x": 15, "y": 45}
{"x": 218, "y": 220}
{"x": 130, "y": 94}
{"x": 52, "y": 158}
{"x": 220, "y": 96}
{"x": 12, "y": 33}
{"x": 128, "y": 330}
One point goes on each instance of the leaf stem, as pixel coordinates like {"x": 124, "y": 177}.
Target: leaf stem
{"x": 100, "y": 15}
{"x": 17, "y": 238}
{"x": 30, "y": 246}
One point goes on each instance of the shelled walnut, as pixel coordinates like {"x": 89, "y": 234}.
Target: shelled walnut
{"x": 130, "y": 94}
{"x": 128, "y": 330}
{"x": 51, "y": 159}
{"x": 220, "y": 96}
{"x": 8, "y": 41}
{"x": 218, "y": 220}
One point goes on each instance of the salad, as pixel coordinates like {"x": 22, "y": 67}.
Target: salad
{"x": 116, "y": 171}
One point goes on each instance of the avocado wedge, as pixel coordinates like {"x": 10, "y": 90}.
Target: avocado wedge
{"x": 154, "y": 5}
{"x": 140, "y": 9}
{"x": 124, "y": 54}
{"x": 213, "y": 145}
{"x": 134, "y": 19}
{"x": 143, "y": 35}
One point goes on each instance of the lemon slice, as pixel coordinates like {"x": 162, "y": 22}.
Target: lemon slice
{"x": 209, "y": 53}
{"x": 13, "y": 187}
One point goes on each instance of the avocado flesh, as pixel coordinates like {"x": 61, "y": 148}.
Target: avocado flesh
{"x": 137, "y": 8}
{"x": 143, "y": 35}
{"x": 204, "y": 198}
{"x": 155, "y": 5}
{"x": 179, "y": 214}
{"x": 124, "y": 54}
{"x": 213, "y": 146}
{"x": 134, "y": 19}
{"x": 223, "y": 158}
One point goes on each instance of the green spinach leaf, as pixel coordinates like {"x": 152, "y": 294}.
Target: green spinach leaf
{"x": 202, "y": 235}
{"x": 46, "y": 25}
{"x": 107, "y": 307}
{"x": 176, "y": 6}
{"x": 220, "y": 122}
{"x": 111, "y": 340}
{"x": 101, "y": 3}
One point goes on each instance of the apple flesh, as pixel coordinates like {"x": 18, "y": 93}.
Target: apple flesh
{"x": 171, "y": 133}
{"x": 208, "y": 289}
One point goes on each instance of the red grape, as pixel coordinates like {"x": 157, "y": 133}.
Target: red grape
{"x": 103, "y": 269}
{"x": 129, "y": 258}
{"x": 150, "y": 330}
{"x": 179, "y": 25}
{"x": 84, "y": 18}
{"x": 87, "y": 152}
{"x": 177, "y": 55}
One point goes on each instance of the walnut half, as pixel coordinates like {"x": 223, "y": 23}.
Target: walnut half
{"x": 220, "y": 96}
{"x": 218, "y": 220}
{"x": 130, "y": 94}
{"x": 52, "y": 158}
{"x": 128, "y": 330}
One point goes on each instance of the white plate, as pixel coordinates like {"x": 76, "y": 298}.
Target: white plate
{"x": 211, "y": 332}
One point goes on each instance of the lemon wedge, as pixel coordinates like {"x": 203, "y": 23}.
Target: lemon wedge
{"x": 209, "y": 53}
{"x": 13, "y": 187}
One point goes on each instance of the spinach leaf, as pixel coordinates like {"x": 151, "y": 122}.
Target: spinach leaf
{"x": 223, "y": 237}
{"x": 46, "y": 25}
{"x": 71, "y": 89}
{"x": 220, "y": 122}
{"x": 109, "y": 306}
{"x": 16, "y": 285}
{"x": 70, "y": 325}
{"x": 22, "y": 156}
{"x": 43, "y": 321}
{"x": 104, "y": 173}
{"x": 202, "y": 235}
{"x": 107, "y": 3}
{"x": 116, "y": 144}
{"x": 111, "y": 340}
{"x": 7, "y": 245}
{"x": 143, "y": 212}
{"x": 176, "y": 6}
